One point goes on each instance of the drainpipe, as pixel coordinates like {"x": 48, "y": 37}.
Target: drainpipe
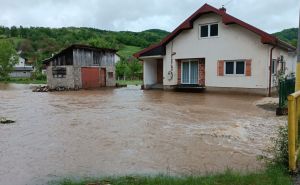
{"x": 270, "y": 70}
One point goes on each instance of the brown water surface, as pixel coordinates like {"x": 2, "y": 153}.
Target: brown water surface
{"x": 128, "y": 131}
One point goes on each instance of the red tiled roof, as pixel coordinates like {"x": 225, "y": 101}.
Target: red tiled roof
{"x": 226, "y": 19}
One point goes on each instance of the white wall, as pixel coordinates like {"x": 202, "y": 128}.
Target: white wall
{"x": 289, "y": 58}
{"x": 117, "y": 58}
{"x": 20, "y": 74}
{"x": 233, "y": 42}
{"x": 21, "y": 62}
{"x": 150, "y": 72}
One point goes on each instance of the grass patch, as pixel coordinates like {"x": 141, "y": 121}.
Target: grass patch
{"x": 270, "y": 176}
{"x": 128, "y": 51}
{"x": 130, "y": 82}
{"x": 24, "y": 81}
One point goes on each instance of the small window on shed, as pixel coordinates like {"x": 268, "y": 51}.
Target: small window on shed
{"x": 59, "y": 72}
{"x": 110, "y": 75}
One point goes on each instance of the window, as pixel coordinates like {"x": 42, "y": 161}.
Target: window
{"x": 110, "y": 75}
{"x": 274, "y": 66}
{"x": 240, "y": 68}
{"x": 209, "y": 30}
{"x": 189, "y": 73}
{"x": 59, "y": 72}
{"x": 235, "y": 67}
{"x": 229, "y": 68}
{"x": 214, "y": 29}
{"x": 204, "y": 31}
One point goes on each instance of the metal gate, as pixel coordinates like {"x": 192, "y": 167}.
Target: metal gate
{"x": 90, "y": 77}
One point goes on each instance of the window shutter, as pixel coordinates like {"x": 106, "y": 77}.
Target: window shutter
{"x": 248, "y": 67}
{"x": 220, "y": 68}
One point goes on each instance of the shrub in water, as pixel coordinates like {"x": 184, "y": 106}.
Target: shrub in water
{"x": 279, "y": 149}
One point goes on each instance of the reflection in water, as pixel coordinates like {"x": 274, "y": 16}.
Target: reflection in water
{"x": 127, "y": 131}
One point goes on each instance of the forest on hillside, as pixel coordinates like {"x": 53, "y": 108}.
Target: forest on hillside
{"x": 288, "y": 35}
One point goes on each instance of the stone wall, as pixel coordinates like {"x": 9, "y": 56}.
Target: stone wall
{"x": 110, "y": 76}
{"x": 67, "y": 82}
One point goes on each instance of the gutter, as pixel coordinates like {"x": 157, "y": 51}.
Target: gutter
{"x": 270, "y": 70}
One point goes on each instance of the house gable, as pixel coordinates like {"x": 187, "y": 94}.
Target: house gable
{"x": 226, "y": 19}
{"x": 233, "y": 43}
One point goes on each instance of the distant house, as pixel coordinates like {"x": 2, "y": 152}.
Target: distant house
{"x": 81, "y": 66}
{"x": 215, "y": 50}
{"x": 22, "y": 69}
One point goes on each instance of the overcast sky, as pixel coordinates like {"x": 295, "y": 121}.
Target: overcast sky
{"x": 138, "y": 15}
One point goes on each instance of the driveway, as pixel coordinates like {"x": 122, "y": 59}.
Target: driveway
{"x": 128, "y": 131}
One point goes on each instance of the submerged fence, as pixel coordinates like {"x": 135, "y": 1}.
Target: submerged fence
{"x": 286, "y": 87}
{"x": 293, "y": 129}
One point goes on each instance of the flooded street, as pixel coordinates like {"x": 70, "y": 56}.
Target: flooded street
{"x": 128, "y": 131}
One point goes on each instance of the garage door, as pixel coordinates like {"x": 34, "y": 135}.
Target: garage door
{"x": 90, "y": 77}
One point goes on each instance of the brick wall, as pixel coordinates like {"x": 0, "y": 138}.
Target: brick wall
{"x": 201, "y": 72}
{"x": 179, "y": 72}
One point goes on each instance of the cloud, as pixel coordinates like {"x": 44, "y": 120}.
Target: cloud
{"x": 138, "y": 15}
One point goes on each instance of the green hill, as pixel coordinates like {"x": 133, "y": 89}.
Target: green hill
{"x": 288, "y": 35}
{"x": 38, "y": 43}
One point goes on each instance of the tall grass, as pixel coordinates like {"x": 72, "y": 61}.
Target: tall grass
{"x": 270, "y": 176}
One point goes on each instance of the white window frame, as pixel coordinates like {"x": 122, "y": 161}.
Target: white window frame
{"x": 189, "y": 61}
{"x": 234, "y": 67}
{"x": 209, "y": 25}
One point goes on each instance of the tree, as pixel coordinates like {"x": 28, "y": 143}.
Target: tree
{"x": 121, "y": 69}
{"x": 8, "y": 58}
{"x": 14, "y": 32}
{"x": 99, "y": 42}
{"x": 135, "y": 68}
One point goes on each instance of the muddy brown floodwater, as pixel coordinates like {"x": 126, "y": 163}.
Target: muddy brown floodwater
{"x": 128, "y": 131}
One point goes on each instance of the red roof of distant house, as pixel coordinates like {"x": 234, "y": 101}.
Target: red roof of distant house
{"x": 226, "y": 19}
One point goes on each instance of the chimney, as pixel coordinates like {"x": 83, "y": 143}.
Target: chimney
{"x": 223, "y": 9}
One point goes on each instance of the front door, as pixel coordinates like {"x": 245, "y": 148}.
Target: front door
{"x": 190, "y": 72}
{"x": 160, "y": 71}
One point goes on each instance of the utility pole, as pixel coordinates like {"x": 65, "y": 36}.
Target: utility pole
{"x": 298, "y": 60}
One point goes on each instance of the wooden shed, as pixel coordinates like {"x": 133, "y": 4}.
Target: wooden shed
{"x": 81, "y": 66}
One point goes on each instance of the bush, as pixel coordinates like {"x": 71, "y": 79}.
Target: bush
{"x": 39, "y": 76}
{"x": 279, "y": 150}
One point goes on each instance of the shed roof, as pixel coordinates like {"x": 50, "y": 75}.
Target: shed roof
{"x": 227, "y": 19}
{"x": 79, "y": 46}
{"x": 26, "y": 68}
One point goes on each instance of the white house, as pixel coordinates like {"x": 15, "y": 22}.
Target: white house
{"x": 215, "y": 50}
{"x": 21, "y": 69}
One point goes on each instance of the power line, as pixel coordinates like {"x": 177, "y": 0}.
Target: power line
{"x": 228, "y": 2}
